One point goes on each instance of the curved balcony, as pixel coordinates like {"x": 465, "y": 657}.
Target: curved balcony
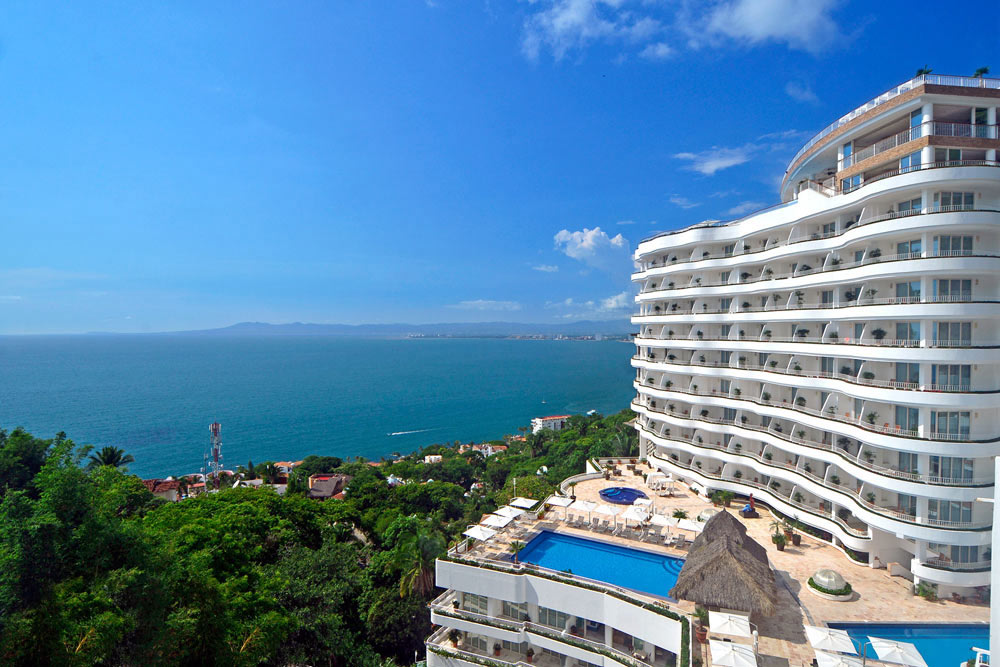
{"x": 910, "y": 393}
{"x": 823, "y": 519}
{"x": 870, "y": 473}
{"x": 953, "y": 574}
{"x": 917, "y": 219}
{"x": 825, "y": 420}
{"x": 887, "y": 519}
{"x": 779, "y": 219}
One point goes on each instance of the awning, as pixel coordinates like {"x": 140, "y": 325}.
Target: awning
{"x": 837, "y": 660}
{"x": 643, "y": 502}
{"x": 559, "y": 501}
{"x": 900, "y": 653}
{"x": 660, "y": 520}
{"x": 830, "y": 639}
{"x": 479, "y": 533}
{"x": 737, "y": 625}
{"x": 494, "y": 521}
{"x": 728, "y": 654}
{"x": 524, "y": 503}
{"x": 607, "y": 510}
{"x": 655, "y": 475}
{"x": 508, "y": 511}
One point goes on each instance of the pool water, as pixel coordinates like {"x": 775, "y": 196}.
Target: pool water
{"x": 621, "y": 495}
{"x": 634, "y": 569}
{"x": 947, "y": 644}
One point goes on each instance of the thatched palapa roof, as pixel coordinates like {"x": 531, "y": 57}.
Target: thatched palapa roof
{"x": 726, "y": 568}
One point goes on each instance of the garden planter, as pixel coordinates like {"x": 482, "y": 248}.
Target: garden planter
{"x": 701, "y": 634}
{"x": 796, "y": 539}
{"x": 781, "y": 546}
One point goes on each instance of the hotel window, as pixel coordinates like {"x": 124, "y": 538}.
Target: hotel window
{"x": 729, "y": 414}
{"x": 908, "y": 331}
{"x": 907, "y": 373}
{"x": 916, "y": 120}
{"x": 724, "y": 304}
{"x": 724, "y": 277}
{"x": 516, "y": 647}
{"x": 477, "y": 642}
{"x": 728, "y": 250}
{"x": 950, "y": 201}
{"x": 848, "y": 184}
{"x": 950, "y": 424}
{"x": 954, "y": 376}
{"x": 951, "y": 467}
{"x": 908, "y": 462}
{"x": 952, "y": 245}
{"x": 762, "y": 358}
{"x": 909, "y": 162}
{"x": 907, "y": 419}
{"x": 826, "y": 297}
{"x": 908, "y": 247}
{"x": 476, "y": 603}
{"x": 953, "y": 290}
{"x": 724, "y": 386}
{"x": 953, "y": 333}
{"x": 859, "y": 255}
{"x": 949, "y": 510}
{"x": 826, "y": 365}
{"x": 910, "y": 291}
{"x": 830, "y": 228}
{"x": 848, "y": 149}
{"x": 552, "y": 618}
{"x": 907, "y": 504}
{"x": 910, "y": 205}
{"x": 955, "y": 553}
{"x": 725, "y": 329}
{"x": 515, "y": 611}
{"x": 947, "y": 155}
{"x": 724, "y": 357}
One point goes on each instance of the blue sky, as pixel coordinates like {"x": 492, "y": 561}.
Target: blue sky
{"x": 186, "y": 165}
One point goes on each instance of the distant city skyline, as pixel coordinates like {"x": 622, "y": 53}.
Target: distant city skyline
{"x": 189, "y": 167}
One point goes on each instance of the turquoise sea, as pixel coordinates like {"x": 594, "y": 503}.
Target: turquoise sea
{"x": 282, "y": 398}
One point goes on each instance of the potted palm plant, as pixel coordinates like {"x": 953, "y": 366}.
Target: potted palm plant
{"x": 701, "y": 629}
{"x": 529, "y": 654}
{"x": 779, "y": 541}
{"x": 496, "y": 649}
{"x": 454, "y": 636}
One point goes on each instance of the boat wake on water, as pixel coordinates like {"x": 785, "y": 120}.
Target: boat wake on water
{"x": 419, "y": 430}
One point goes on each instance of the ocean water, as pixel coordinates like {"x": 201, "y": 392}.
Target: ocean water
{"x": 282, "y": 398}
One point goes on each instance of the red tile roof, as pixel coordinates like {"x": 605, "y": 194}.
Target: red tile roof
{"x": 555, "y": 417}
{"x": 161, "y": 485}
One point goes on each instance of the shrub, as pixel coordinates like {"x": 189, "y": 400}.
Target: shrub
{"x": 846, "y": 590}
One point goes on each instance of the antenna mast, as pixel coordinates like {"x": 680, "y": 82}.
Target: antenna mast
{"x": 215, "y": 456}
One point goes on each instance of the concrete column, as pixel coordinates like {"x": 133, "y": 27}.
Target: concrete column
{"x": 928, "y": 115}
{"x": 991, "y": 119}
{"x": 608, "y": 634}
{"x": 926, "y": 155}
{"x": 995, "y": 572}
{"x": 921, "y": 516}
{"x": 926, "y": 201}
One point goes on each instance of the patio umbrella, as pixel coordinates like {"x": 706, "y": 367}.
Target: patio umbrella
{"x": 509, "y": 511}
{"x": 636, "y": 514}
{"x": 494, "y": 521}
{"x": 558, "y": 501}
{"x": 583, "y": 506}
{"x": 643, "y": 502}
{"x": 728, "y": 654}
{"x": 479, "y": 533}
{"x": 830, "y": 639}
{"x": 524, "y": 503}
{"x": 660, "y": 520}
{"x": 837, "y": 660}
{"x": 729, "y": 624}
{"x": 607, "y": 510}
{"x": 901, "y": 653}
{"x": 688, "y": 524}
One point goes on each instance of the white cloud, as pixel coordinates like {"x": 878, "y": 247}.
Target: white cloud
{"x": 616, "y": 302}
{"x": 546, "y": 268}
{"x": 715, "y": 159}
{"x": 807, "y": 26}
{"x": 625, "y": 222}
{"x": 683, "y": 202}
{"x": 10, "y": 299}
{"x": 745, "y": 207}
{"x": 568, "y": 25}
{"x": 594, "y": 248}
{"x": 486, "y": 304}
{"x": 720, "y": 194}
{"x": 801, "y": 92}
{"x": 657, "y": 51}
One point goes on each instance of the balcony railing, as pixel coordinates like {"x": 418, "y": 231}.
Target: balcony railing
{"x": 931, "y": 128}
{"x": 953, "y": 566}
{"x": 834, "y": 340}
{"x": 934, "y": 79}
{"x": 829, "y": 305}
{"x": 919, "y": 167}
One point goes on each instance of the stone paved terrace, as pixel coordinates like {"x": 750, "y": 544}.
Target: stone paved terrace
{"x": 877, "y": 596}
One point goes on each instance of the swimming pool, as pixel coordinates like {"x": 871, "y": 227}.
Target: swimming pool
{"x": 621, "y": 495}
{"x": 634, "y": 569}
{"x": 939, "y": 643}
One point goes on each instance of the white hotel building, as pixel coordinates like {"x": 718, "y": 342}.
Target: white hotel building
{"x": 838, "y": 355}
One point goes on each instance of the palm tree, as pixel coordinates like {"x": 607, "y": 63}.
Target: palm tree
{"x": 924, "y": 70}
{"x": 516, "y": 547}
{"x": 416, "y": 558}
{"x": 981, "y": 72}
{"x": 109, "y": 456}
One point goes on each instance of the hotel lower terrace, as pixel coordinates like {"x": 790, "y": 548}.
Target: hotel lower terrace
{"x": 494, "y": 611}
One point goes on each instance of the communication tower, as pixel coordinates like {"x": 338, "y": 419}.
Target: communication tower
{"x": 213, "y": 459}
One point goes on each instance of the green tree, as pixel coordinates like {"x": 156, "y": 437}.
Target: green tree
{"x": 109, "y": 456}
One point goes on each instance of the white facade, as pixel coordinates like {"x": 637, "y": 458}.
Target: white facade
{"x": 551, "y": 423}
{"x": 838, "y": 355}
{"x": 502, "y": 611}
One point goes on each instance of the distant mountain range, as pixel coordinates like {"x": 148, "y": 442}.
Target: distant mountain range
{"x": 474, "y": 329}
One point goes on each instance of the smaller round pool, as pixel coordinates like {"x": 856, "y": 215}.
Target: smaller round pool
{"x": 621, "y": 495}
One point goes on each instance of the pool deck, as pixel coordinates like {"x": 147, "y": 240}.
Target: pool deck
{"x": 877, "y": 596}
